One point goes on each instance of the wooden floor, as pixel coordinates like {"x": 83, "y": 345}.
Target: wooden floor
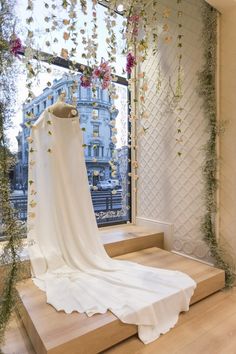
{"x": 208, "y": 328}
{"x": 55, "y": 332}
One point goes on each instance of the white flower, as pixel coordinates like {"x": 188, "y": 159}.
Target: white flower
{"x": 113, "y": 139}
{"x": 113, "y": 122}
{"x": 96, "y": 173}
{"x": 29, "y": 139}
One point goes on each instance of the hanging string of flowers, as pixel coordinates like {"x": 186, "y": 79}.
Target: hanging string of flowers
{"x": 166, "y": 27}
{"x": 179, "y": 82}
{"x": 154, "y": 27}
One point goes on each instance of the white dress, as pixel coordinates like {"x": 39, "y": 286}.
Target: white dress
{"x": 68, "y": 259}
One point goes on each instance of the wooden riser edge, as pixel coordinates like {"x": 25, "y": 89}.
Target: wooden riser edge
{"x": 208, "y": 286}
{"x": 134, "y": 244}
{"x": 35, "y": 340}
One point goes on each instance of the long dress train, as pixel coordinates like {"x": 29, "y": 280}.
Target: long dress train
{"x": 68, "y": 259}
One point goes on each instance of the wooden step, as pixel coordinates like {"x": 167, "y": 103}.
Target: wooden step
{"x": 120, "y": 239}
{"x": 53, "y": 332}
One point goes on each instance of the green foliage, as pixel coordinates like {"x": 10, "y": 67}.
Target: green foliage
{"x": 207, "y": 90}
{"x": 11, "y": 228}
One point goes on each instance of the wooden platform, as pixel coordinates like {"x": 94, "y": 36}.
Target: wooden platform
{"x": 53, "y": 332}
{"x": 203, "y": 330}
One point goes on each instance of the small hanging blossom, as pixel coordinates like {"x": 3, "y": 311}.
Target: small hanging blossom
{"x": 85, "y": 81}
{"x": 130, "y": 62}
{"x": 15, "y": 46}
{"x": 134, "y": 22}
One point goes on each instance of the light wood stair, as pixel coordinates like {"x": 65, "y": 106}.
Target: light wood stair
{"x": 130, "y": 238}
{"x": 55, "y": 332}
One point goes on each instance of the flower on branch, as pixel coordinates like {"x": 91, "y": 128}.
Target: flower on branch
{"x": 103, "y": 73}
{"x": 85, "y": 81}
{"x": 130, "y": 62}
{"x": 15, "y": 46}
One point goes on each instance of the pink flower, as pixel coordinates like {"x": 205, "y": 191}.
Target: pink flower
{"x": 15, "y": 45}
{"x": 85, "y": 81}
{"x": 96, "y": 72}
{"x": 103, "y": 73}
{"x": 134, "y": 18}
{"x": 107, "y": 76}
{"x": 105, "y": 85}
{"x": 104, "y": 66}
{"x": 130, "y": 62}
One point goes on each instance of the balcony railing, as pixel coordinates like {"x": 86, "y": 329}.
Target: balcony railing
{"x": 102, "y": 201}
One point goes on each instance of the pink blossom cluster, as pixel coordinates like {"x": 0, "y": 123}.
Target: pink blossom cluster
{"x": 15, "y": 46}
{"x": 134, "y": 18}
{"x": 101, "y": 72}
{"x": 134, "y": 21}
{"x": 130, "y": 62}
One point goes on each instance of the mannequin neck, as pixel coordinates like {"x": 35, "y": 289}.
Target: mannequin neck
{"x": 62, "y": 110}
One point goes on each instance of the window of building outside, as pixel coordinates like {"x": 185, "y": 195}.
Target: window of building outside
{"x": 96, "y": 150}
{"x": 89, "y": 151}
{"x": 95, "y": 130}
{"x": 111, "y": 206}
{"x": 95, "y": 114}
{"x": 95, "y": 93}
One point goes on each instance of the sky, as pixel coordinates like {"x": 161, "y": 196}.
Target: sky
{"x": 41, "y": 37}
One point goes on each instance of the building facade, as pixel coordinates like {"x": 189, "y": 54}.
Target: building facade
{"x": 96, "y": 112}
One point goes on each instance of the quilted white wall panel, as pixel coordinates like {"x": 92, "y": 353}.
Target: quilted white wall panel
{"x": 170, "y": 188}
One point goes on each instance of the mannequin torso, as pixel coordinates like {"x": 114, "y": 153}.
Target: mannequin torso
{"x": 63, "y": 110}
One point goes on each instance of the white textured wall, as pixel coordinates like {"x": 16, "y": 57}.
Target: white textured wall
{"x": 170, "y": 187}
{"x": 228, "y": 139}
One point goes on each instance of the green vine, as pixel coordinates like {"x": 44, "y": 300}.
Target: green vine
{"x": 11, "y": 228}
{"x": 207, "y": 91}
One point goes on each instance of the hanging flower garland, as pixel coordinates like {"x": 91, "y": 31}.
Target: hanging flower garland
{"x": 179, "y": 82}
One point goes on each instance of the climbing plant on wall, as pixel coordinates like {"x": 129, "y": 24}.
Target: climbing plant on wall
{"x": 11, "y": 228}
{"x": 207, "y": 90}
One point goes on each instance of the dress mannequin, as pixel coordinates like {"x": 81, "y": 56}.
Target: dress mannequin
{"x": 61, "y": 109}
{"x": 68, "y": 258}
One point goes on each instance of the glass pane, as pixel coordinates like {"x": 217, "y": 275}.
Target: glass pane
{"x": 106, "y": 158}
{"x": 50, "y": 38}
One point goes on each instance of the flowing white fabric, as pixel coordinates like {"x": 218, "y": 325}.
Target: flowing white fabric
{"x": 68, "y": 259}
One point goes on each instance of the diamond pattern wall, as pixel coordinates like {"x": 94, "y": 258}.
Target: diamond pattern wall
{"x": 170, "y": 187}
